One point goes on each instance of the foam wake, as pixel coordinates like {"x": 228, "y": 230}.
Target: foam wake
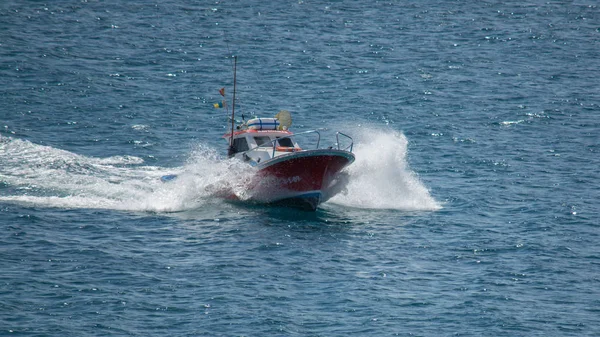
{"x": 49, "y": 177}
{"x": 380, "y": 177}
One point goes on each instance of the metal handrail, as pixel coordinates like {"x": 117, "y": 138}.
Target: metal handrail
{"x": 296, "y": 134}
{"x": 337, "y": 138}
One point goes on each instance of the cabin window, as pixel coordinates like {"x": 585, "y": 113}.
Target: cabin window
{"x": 240, "y": 145}
{"x": 263, "y": 141}
{"x": 285, "y": 142}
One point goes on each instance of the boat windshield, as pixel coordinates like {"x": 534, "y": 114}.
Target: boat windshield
{"x": 264, "y": 141}
{"x": 285, "y": 142}
{"x": 240, "y": 145}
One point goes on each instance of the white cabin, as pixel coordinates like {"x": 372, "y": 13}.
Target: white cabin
{"x": 259, "y": 145}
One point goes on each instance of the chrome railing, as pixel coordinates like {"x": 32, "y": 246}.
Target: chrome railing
{"x": 274, "y": 142}
{"x": 337, "y": 139}
{"x": 337, "y": 144}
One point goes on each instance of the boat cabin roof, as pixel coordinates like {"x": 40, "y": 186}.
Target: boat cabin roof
{"x": 252, "y": 131}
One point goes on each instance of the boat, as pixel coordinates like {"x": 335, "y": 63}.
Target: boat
{"x": 287, "y": 174}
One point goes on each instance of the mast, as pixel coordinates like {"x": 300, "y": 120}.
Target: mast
{"x": 233, "y": 106}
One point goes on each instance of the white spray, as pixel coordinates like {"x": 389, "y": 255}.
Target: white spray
{"x": 380, "y": 177}
{"x": 45, "y": 176}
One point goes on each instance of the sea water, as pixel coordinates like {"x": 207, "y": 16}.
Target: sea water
{"x": 471, "y": 209}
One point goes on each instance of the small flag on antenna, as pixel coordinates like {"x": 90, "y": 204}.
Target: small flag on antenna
{"x": 222, "y": 92}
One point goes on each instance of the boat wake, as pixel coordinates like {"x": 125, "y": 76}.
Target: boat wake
{"x": 48, "y": 177}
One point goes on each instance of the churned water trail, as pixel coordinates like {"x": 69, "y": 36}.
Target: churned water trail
{"x": 49, "y": 177}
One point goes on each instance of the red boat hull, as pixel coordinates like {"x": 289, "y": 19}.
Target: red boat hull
{"x": 300, "y": 179}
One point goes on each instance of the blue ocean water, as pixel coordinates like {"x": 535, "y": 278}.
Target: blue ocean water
{"x": 471, "y": 210}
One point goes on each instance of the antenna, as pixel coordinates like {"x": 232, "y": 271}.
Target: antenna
{"x": 233, "y": 104}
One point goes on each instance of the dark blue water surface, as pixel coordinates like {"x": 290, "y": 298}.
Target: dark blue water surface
{"x": 471, "y": 210}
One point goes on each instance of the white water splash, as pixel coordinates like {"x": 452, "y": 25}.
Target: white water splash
{"x": 380, "y": 177}
{"x": 49, "y": 177}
